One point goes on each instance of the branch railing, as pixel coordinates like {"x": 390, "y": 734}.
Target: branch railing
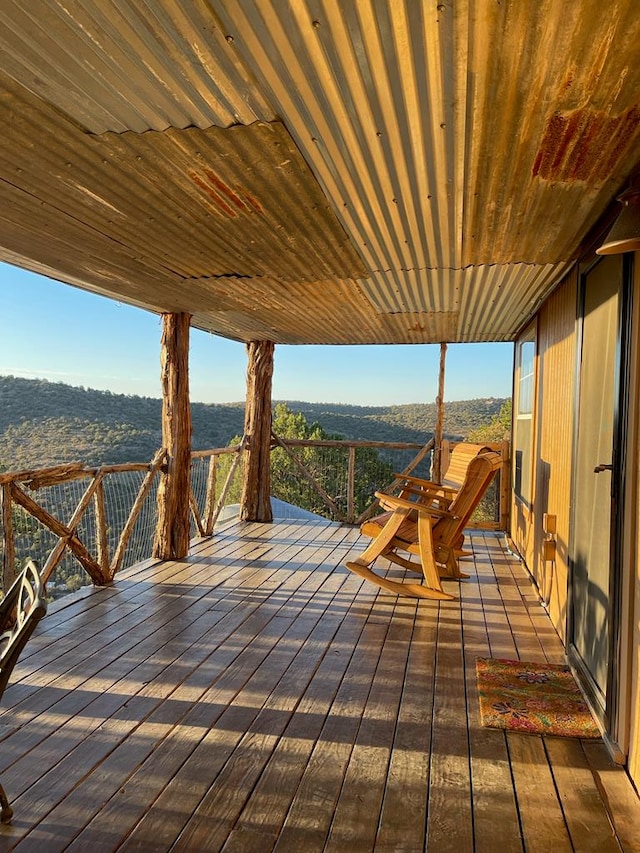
{"x": 102, "y": 519}
{"x": 209, "y": 468}
{"x": 35, "y": 502}
{"x": 98, "y": 520}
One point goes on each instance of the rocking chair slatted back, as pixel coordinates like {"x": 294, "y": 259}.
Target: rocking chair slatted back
{"x": 461, "y": 456}
{"x": 480, "y": 472}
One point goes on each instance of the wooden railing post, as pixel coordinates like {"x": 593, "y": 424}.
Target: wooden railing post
{"x": 255, "y": 504}
{"x": 102, "y": 542}
{"x": 9, "y": 548}
{"x": 172, "y": 532}
{"x": 351, "y": 486}
{"x": 505, "y": 485}
{"x": 436, "y": 468}
{"x": 210, "y": 500}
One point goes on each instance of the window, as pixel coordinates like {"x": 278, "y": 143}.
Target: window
{"x": 525, "y": 398}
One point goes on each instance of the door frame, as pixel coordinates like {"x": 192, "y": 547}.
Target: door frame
{"x": 607, "y": 714}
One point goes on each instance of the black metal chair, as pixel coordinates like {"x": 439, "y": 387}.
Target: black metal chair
{"x": 20, "y": 611}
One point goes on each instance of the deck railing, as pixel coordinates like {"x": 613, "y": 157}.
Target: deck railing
{"x": 82, "y": 523}
{"x": 337, "y": 479}
{"x": 72, "y": 517}
{"x": 78, "y": 521}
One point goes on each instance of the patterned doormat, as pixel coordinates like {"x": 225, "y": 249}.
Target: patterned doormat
{"x": 539, "y": 698}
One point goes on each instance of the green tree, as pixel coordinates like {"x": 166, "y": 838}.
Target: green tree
{"x": 328, "y": 466}
{"x": 498, "y": 428}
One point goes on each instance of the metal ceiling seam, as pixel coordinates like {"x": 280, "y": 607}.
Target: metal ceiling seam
{"x": 111, "y": 73}
{"x": 155, "y": 105}
{"x": 290, "y": 89}
{"x": 350, "y": 65}
{"x": 360, "y": 148}
{"x": 397, "y": 134}
{"x": 212, "y": 94}
{"x": 37, "y": 61}
{"x": 204, "y": 108}
{"x": 377, "y": 200}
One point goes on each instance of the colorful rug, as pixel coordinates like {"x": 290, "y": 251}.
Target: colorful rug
{"x": 539, "y": 698}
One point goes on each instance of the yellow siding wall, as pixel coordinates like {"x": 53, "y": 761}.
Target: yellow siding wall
{"x": 552, "y": 456}
{"x": 552, "y": 452}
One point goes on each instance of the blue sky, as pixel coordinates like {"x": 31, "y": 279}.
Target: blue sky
{"x": 63, "y": 334}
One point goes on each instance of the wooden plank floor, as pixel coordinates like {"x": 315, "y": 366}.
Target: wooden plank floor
{"x": 258, "y": 697}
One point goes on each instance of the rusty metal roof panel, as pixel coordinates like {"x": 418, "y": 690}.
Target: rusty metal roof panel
{"x": 554, "y": 117}
{"x": 370, "y": 93}
{"x": 436, "y": 166}
{"x": 181, "y": 204}
{"x": 136, "y": 65}
{"x": 485, "y": 301}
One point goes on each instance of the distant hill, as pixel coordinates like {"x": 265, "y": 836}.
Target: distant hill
{"x": 399, "y": 423}
{"x": 45, "y": 423}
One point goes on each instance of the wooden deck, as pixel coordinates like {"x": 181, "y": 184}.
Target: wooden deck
{"x": 257, "y": 696}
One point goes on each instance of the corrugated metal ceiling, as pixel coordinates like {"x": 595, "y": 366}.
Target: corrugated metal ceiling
{"x": 407, "y": 171}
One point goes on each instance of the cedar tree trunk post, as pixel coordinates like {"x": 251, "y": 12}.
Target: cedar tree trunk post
{"x": 256, "y": 481}
{"x": 436, "y": 474}
{"x": 172, "y": 532}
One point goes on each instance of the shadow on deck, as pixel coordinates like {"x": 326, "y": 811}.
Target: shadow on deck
{"x": 257, "y": 696}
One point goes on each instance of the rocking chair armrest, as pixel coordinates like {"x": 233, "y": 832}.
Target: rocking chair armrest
{"x": 409, "y": 478}
{"x": 426, "y": 485}
{"x": 443, "y": 501}
{"x": 391, "y": 502}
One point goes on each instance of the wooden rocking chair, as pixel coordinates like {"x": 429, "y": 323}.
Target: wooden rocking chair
{"x": 425, "y": 521}
{"x": 20, "y": 610}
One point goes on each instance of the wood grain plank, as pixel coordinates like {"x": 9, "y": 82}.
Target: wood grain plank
{"x": 273, "y": 794}
{"x": 309, "y": 819}
{"x": 404, "y": 810}
{"x": 449, "y": 817}
{"x": 618, "y": 794}
{"x": 496, "y": 822}
{"x": 541, "y": 815}
{"x": 501, "y": 642}
{"x": 584, "y": 812}
{"x": 355, "y": 819}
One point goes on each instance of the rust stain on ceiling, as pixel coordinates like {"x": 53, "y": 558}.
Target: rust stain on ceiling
{"x": 226, "y": 198}
{"x": 584, "y": 144}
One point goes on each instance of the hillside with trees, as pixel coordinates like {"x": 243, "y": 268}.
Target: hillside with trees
{"x": 45, "y": 423}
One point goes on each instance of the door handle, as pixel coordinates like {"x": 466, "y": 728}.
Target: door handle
{"x": 602, "y": 467}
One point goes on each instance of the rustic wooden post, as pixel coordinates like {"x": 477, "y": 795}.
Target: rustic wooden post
{"x": 101, "y": 528}
{"x": 351, "y": 486}
{"x": 9, "y": 549}
{"x": 256, "y": 482}
{"x": 436, "y": 468}
{"x": 172, "y": 531}
{"x": 505, "y": 485}
{"x": 210, "y": 503}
